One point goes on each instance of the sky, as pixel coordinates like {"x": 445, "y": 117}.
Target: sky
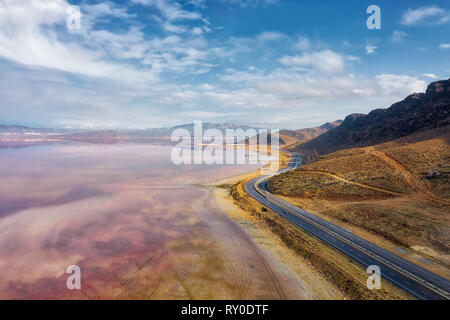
{"x": 267, "y": 63}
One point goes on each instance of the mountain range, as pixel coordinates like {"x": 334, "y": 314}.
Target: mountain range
{"x": 19, "y": 136}
{"x": 296, "y": 137}
{"x": 418, "y": 112}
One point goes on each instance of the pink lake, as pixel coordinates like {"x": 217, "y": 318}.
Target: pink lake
{"x": 136, "y": 224}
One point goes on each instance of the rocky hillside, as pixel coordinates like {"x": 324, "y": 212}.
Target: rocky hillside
{"x": 295, "y": 137}
{"x": 418, "y": 112}
{"x": 292, "y": 138}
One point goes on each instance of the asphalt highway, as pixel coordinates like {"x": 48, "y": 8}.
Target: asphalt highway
{"x": 412, "y": 278}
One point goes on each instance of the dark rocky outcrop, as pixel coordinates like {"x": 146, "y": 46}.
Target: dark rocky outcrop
{"x": 418, "y": 112}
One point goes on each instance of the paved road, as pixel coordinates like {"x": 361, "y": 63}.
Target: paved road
{"x": 419, "y": 282}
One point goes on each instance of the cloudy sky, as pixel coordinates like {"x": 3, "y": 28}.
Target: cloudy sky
{"x": 273, "y": 63}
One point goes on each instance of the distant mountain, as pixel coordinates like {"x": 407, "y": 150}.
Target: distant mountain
{"x": 219, "y": 126}
{"x": 292, "y": 138}
{"x": 28, "y": 130}
{"x": 103, "y": 136}
{"x": 289, "y": 137}
{"x": 152, "y": 132}
{"x": 418, "y": 112}
{"x": 19, "y": 136}
{"x": 167, "y": 132}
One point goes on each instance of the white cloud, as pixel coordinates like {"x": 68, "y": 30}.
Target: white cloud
{"x": 370, "y": 49}
{"x": 55, "y": 99}
{"x": 444, "y": 46}
{"x": 205, "y": 86}
{"x": 27, "y": 36}
{"x": 430, "y": 75}
{"x": 425, "y": 15}
{"x": 236, "y": 45}
{"x": 252, "y": 3}
{"x": 197, "y": 31}
{"x": 127, "y": 45}
{"x": 352, "y": 58}
{"x": 172, "y": 12}
{"x": 170, "y": 9}
{"x": 290, "y": 90}
{"x": 105, "y": 9}
{"x": 270, "y": 36}
{"x": 398, "y": 36}
{"x": 326, "y": 61}
{"x": 120, "y": 75}
{"x": 203, "y": 114}
{"x": 302, "y": 44}
{"x": 198, "y": 3}
{"x": 107, "y": 76}
{"x": 398, "y": 85}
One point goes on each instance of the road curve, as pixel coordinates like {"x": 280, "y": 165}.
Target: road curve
{"x": 412, "y": 278}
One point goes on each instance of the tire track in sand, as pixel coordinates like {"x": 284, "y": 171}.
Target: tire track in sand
{"x": 268, "y": 272}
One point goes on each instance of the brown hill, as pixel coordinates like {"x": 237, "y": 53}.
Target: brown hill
{"x": 295, "y": 137}
{"x": 292, "y": 138}
{"x": 417, "y": 113}
{"x": 397, "y": 191}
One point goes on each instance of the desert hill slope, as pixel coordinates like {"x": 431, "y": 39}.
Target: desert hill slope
{"x": 295, "y": 137}
{"x": 417, "y": 113}
{"x": 292, "y": 138}
{"x": 398, "y": 191}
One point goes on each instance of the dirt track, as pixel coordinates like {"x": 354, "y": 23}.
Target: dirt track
{"x": 352, "y": 182}
{"x": 412, "y": 179}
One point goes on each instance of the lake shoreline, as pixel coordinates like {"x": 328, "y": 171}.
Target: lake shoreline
{"x": 298, "y": 280}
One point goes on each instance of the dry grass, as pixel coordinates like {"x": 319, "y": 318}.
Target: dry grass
{"x": 404, "y": 225}
{"x": 346, "y": 275}
{"x": 315, "y": 185}
{"x": 382, "y": 190}
{"x": 359, "y": 165}
{"x": 423, "y": 157}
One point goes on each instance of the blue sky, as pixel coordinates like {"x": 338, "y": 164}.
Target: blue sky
{"x": 271, "y": 63}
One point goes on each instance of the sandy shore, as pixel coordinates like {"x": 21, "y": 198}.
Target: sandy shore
{"x": 294, "y": 276}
